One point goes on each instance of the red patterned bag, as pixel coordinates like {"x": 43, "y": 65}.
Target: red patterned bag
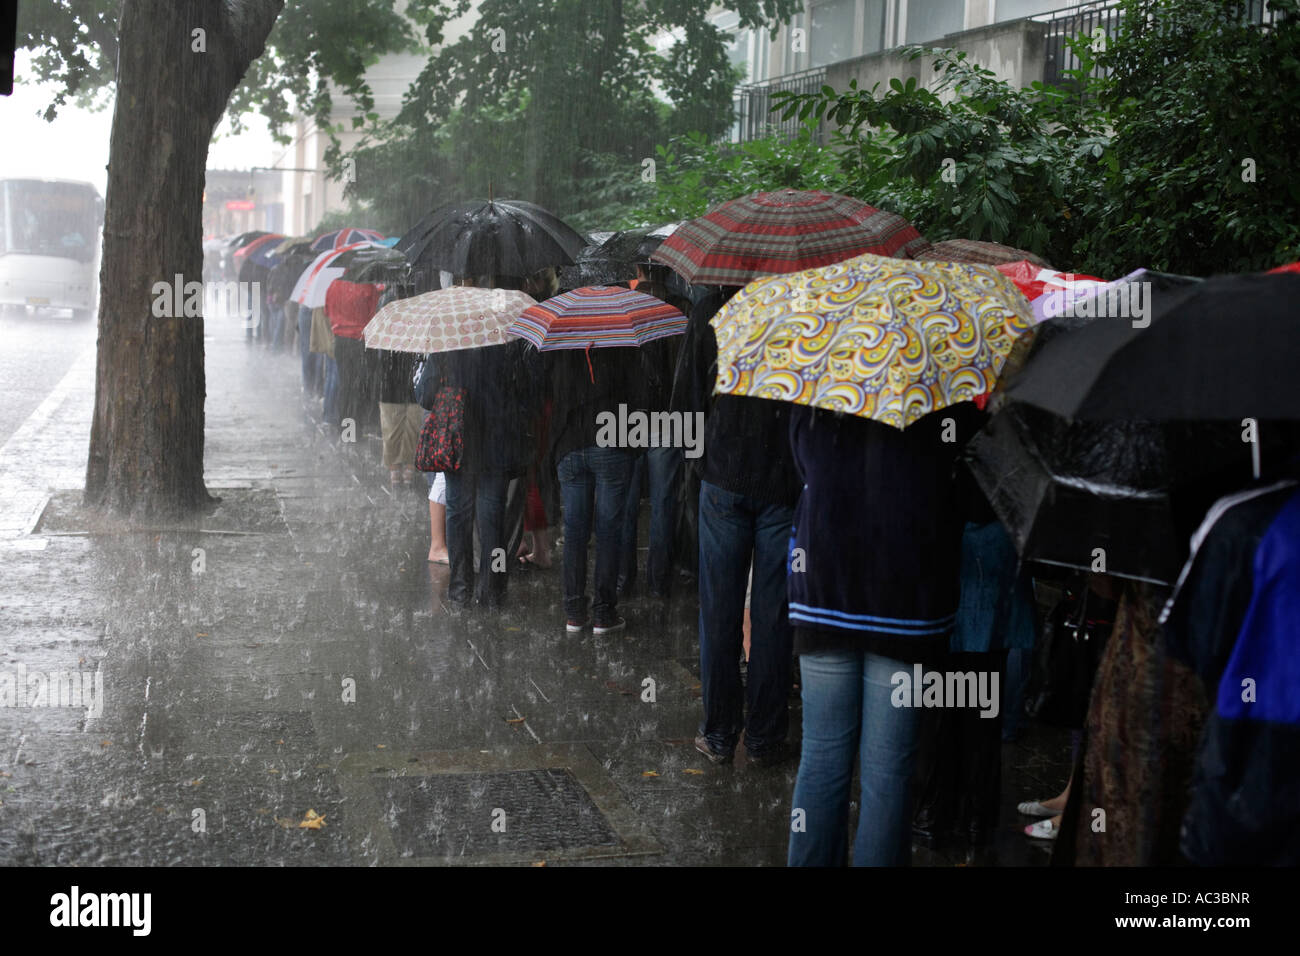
{"x": 442, "y": 440}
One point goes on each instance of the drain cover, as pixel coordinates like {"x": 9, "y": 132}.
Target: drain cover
{"x": 469, "y": 814}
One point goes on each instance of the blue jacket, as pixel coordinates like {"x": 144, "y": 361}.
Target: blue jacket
{"x": 1236, "y": 619}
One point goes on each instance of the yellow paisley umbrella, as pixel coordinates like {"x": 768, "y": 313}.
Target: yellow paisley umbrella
{"x": 882, "y": 338}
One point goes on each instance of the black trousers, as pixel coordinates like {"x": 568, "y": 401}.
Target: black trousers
{"x": 959, "y": 756}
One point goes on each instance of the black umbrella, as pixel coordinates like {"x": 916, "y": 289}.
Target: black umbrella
{"x": 501, "y": 237}
{"x": 634, "y": 246}
{"x": 1220, "y": 349}
{"x": 1131, "y": 489}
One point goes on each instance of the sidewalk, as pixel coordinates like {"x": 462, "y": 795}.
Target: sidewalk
{"x": 309, "y": 666}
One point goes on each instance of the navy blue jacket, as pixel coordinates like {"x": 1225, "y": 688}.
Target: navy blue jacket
{"x": 876, "y": 550}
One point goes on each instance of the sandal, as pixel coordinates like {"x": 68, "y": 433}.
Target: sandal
{"x": 1042, "y": 830}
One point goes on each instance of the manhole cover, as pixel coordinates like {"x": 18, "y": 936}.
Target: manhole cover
{"x": 469, "y": 814}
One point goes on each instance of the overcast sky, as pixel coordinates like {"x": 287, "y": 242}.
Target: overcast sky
{"x": 75, "y": 146}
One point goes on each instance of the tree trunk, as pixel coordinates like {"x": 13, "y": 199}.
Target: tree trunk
{"x": 146, "y": 441}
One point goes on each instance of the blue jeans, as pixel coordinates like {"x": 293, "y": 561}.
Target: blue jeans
{"x": 330, "y": 407}
{"x": 593, "y": 477}
{"x": 847, "y": 714}
{"x": 471, "y": 496}
{"x": 661, "y": 467}
{"x": 311, "y": 361}
{"x": 736, "y": 530}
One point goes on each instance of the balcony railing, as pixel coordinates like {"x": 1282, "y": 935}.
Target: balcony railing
{"x": 753, "y": 103}
{"x": 1081, "y": 22}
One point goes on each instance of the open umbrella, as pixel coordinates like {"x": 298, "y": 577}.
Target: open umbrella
{"x": 501, "y": 237}
{"x": 597, "y": 317}
{"x": 446, "y": 320}
{"x": 886, "y": 339}
{"x": 1071, "y": 494}
{"x": 775, "y": 233}
{"x": 344, "y": 237}
{"x": 978, "y": 251}
{"x": 310, "y": 289}
{"x": 1222, "y": 349}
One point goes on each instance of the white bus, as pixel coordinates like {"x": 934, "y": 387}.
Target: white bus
{"x": 49, "y": 245}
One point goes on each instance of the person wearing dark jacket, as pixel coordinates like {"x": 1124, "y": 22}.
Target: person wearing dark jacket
{"x": 587, "y": 387}
{"x": 875, "y": 564}
{"x": 502, "y": 400}
{"x": 658, "y": 469}
{"x": 746, "y": 505}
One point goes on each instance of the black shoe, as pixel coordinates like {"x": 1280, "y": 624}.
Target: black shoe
{"x": 714, "y": 756}
{"x": 771, "y": 756}
{"x": 615, "y": 623}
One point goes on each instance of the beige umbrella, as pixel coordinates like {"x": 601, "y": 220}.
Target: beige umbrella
{"x": 462, "y": 317}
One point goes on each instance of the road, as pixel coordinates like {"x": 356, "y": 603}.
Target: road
{"x": 38, "y": 350}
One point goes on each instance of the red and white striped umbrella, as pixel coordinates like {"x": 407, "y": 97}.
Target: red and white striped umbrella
{"x": 776, "y": 233}
{"x": 597, "y": 317}
{"x": 309, "y": 290}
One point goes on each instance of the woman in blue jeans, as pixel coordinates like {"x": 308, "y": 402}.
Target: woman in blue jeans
{"x": 873, "y": 584}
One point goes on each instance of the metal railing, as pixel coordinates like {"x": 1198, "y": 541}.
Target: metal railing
{"x": 754, "y": 101}
{"x": 1082, "y": 21}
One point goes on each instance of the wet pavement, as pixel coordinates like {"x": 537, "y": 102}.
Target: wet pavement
{"x": 289, "y": 653}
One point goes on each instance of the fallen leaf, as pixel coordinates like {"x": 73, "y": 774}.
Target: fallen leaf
{"x": 520, "y": 629}
{"x": 195, "y": 782}
{"x": 377, "y": 746}
{"x": 262, "y": 811}
{"x": 515, "y": 720}
{"x": 311, "y": 821}
{"x": 693, "y": 770}
{"x": 106, "y": 743}
{"x": 272, "y": 770}
{"x": 649, "y": 773}
{"x": 202, "y": 634}
{"x": 538, "y": 863}
{"x": 280, "y": 742}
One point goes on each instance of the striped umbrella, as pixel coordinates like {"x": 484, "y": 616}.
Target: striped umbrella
{"x": 344, "y": 237}
{"x": 446, "y": 320}
{"x": 877, "y": 337}
{"x": 779, "y": 232}
{"x": 976, "y": 250}
{"x": 597, "y": 317}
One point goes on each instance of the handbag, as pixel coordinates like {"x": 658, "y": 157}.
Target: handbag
{"x": 442, "y": 439}
{"x": 1066, "y": 659}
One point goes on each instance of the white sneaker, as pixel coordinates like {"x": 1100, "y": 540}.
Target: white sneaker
{"x": 1032, "y": 808}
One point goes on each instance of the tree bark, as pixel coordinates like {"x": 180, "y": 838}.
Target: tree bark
{"x": 146, "y": 440}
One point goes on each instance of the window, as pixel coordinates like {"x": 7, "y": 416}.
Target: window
{"x": 930, "y": 19}
{"x": 831, "y": 37}
{"x": 873, "y": 26}
{"x": 1018, "y": 9}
